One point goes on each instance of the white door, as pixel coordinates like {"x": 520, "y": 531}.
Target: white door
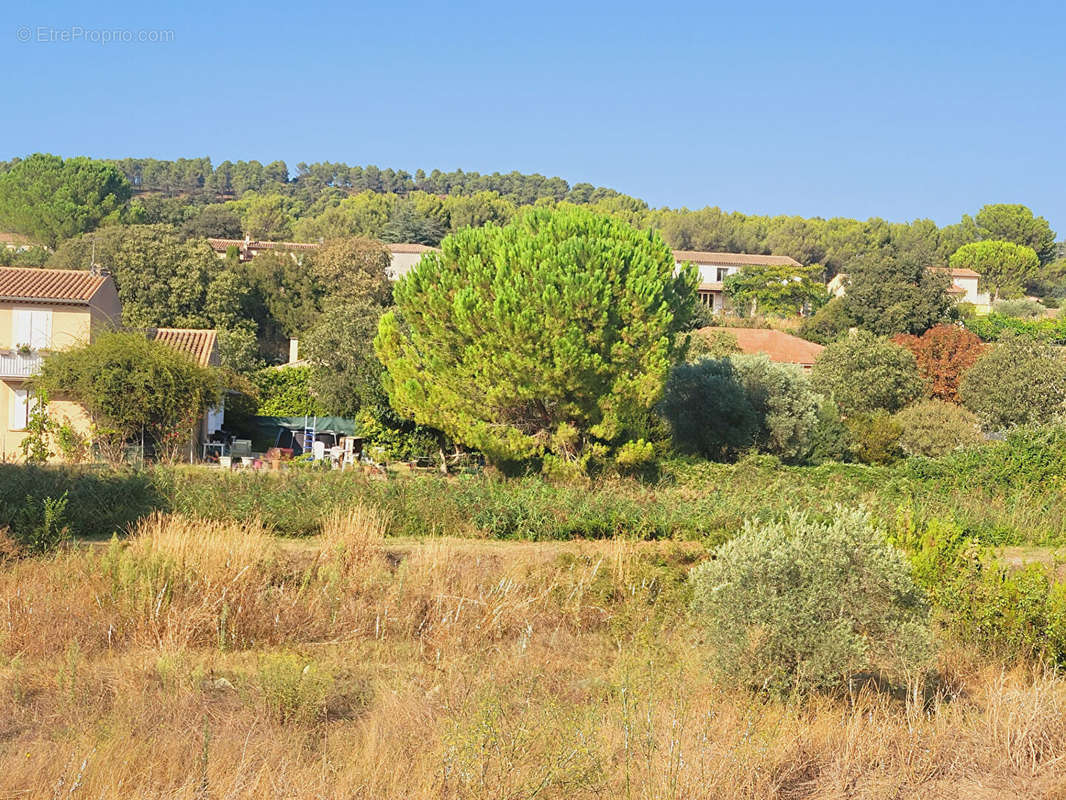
{"x": 18, "y": 410}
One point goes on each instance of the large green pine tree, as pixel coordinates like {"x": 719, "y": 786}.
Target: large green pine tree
{"x": 542, "y": 338}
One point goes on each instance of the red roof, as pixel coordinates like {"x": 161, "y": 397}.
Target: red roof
{"x": 402, "y": 247}
{"x": 222, "y": 245}
{"x": 781, "y": 347}
{"x": 61, "y": 285}
{"x": 734, "y": 259}
{"x": 197, "y": 342}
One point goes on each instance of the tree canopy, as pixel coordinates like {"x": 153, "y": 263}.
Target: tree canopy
{"x": 540, "y": 338}
{"x": 49, "y": 199}
{"x": 130, "y": 385}
{"x": 863, "y": 373}
{"x": 775, "y": 289}
{"x": 1018, "y": 381}
{"x": 1005, "y": 267}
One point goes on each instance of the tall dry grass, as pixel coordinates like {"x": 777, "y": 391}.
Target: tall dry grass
{"x": 206, "y": 661}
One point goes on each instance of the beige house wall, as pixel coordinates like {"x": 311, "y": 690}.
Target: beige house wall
{"x": 71, "y": 325}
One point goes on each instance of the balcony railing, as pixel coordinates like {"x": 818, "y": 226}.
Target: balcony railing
{"x": 14, "y": 364}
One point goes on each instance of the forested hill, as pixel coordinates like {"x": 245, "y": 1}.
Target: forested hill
{"x": 49, "y": 200}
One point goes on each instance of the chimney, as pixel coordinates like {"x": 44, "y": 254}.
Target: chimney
{"x": 294, "y": 350}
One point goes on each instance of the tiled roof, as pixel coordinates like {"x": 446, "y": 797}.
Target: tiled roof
{"x": 197, "y": 342}
{"x": 222, "y": 245}
{"x": 712, "y": 286}
{"x": 956, "y": 272}
{"x": 778, "y": 345}
{"x": 955, "y": 289}
{"x": 734, "y": 259}
{"x": 61, "y": 285}
{"x": 403, "y": 247}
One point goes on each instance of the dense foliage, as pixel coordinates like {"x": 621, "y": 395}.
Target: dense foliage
{"x": 1005, "y": 267}
{"x": 1019, "y": 381}
{"x": 132, "y": 387}
{"x": 935, "y": 428}
{"x": 801, "y": 605}
{"x": 542, "y": 338}
{"x": 943, "y": 353}
{"x": 864, "y": 373}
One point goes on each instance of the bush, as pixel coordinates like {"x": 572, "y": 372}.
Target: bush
{"x": 875, "y": 438}
{"x": 1022, "y": 308}
{"x": 934, "y": 428}
{"x": 865, "y": 373}
{"x": 708, "y": 411}
{"x": 785, "y": 406}
{"x": 943, "y": 353}
{"x": 1020, "y": 381}
{"x": 830, "y": 439}
{"x": 828, "y": 323}
{"x": 712, "y": 343}
{"x": 286, "y": 392}
{"x": 797, "y": 606}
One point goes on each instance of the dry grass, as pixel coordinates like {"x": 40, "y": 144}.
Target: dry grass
{"x": 203, "y": 661}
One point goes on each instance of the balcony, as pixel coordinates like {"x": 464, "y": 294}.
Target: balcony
{"x": 14, "y": 364}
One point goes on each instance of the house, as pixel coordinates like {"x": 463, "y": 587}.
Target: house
{"x": 781, "y": 347}
{"x": 403, "y": 256}
{"x": 963, "y": 287}
{"x": 201, "y": 345}
{"x": 715, "y": 267}
{"x": 43, "y": 310}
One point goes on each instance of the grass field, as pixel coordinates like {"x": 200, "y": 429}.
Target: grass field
{"x": 213, "y": 660}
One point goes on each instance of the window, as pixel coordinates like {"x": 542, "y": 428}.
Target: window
{"x": 32, "y": 326}
{"x": 18, "y": 409}
{"x": 722, "y": 272}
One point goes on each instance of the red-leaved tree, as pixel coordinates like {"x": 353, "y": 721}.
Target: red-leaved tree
{"x": 943, "y": 353}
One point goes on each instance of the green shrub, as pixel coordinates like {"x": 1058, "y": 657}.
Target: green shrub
{"x": 799, "y": 606}
{"x": 1021, "y": 308}
{"x": 830, "y": 439}
{"x": 785, "y": 405}
{"x": 708, "y": 411}
{"x": 1020, "y": 381}
{"x": 934, "y": 428}
{"x": 863, "y": 373}
{"x": 286, "y": 392}
{"x": 38, "y": 527}
{"x": 294, "y": 689}
{"x": 875, "y": 438}
{"x": 1015, "y": 612}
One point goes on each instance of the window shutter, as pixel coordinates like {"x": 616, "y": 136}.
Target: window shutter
{"x": 21, "y": 326}
{"x": 41, "y": 331}
{"x": 18, "y": 413}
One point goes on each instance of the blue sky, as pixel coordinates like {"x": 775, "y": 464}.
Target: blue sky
{"x": 911, "y": 110}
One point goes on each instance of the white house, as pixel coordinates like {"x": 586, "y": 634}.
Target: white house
{"x": 715, "y": 267}
{"x": 963, "y": 288}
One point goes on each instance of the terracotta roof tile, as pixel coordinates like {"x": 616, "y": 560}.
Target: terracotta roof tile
{"x": 62, "y": 285}
{"x": 781, "y": 347}
{"x": 221, "y": 245}
{"x": 402, "y": 247}
{"x": 197, "y": 342}
{"x": 734, "y": 259}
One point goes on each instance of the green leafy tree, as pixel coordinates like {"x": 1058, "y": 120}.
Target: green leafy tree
{"x": 887, "y": 295}
{"x": 213, "y": 221}
{"x": 1016, "y": 223}
{"x": 345, "y": 371}
{"x": 352, "y": 271}
{"x": 708, "y": 410}
{"x": 775, "y": 289}
{"x": 799, "y": 605}
{"x": 828, "y": 323}
{"x": 864, "y": 373}
{"x": 49, "y": 199}
{"x": 1005, "y": 267}
{"x": 1019, "y": 381}
{"x": 538, "y": 338}
{"x": 130, "y": 385}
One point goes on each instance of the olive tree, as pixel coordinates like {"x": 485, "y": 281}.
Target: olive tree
{"x": 800, "y": 605}
{"x": 1018, "y": 381}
